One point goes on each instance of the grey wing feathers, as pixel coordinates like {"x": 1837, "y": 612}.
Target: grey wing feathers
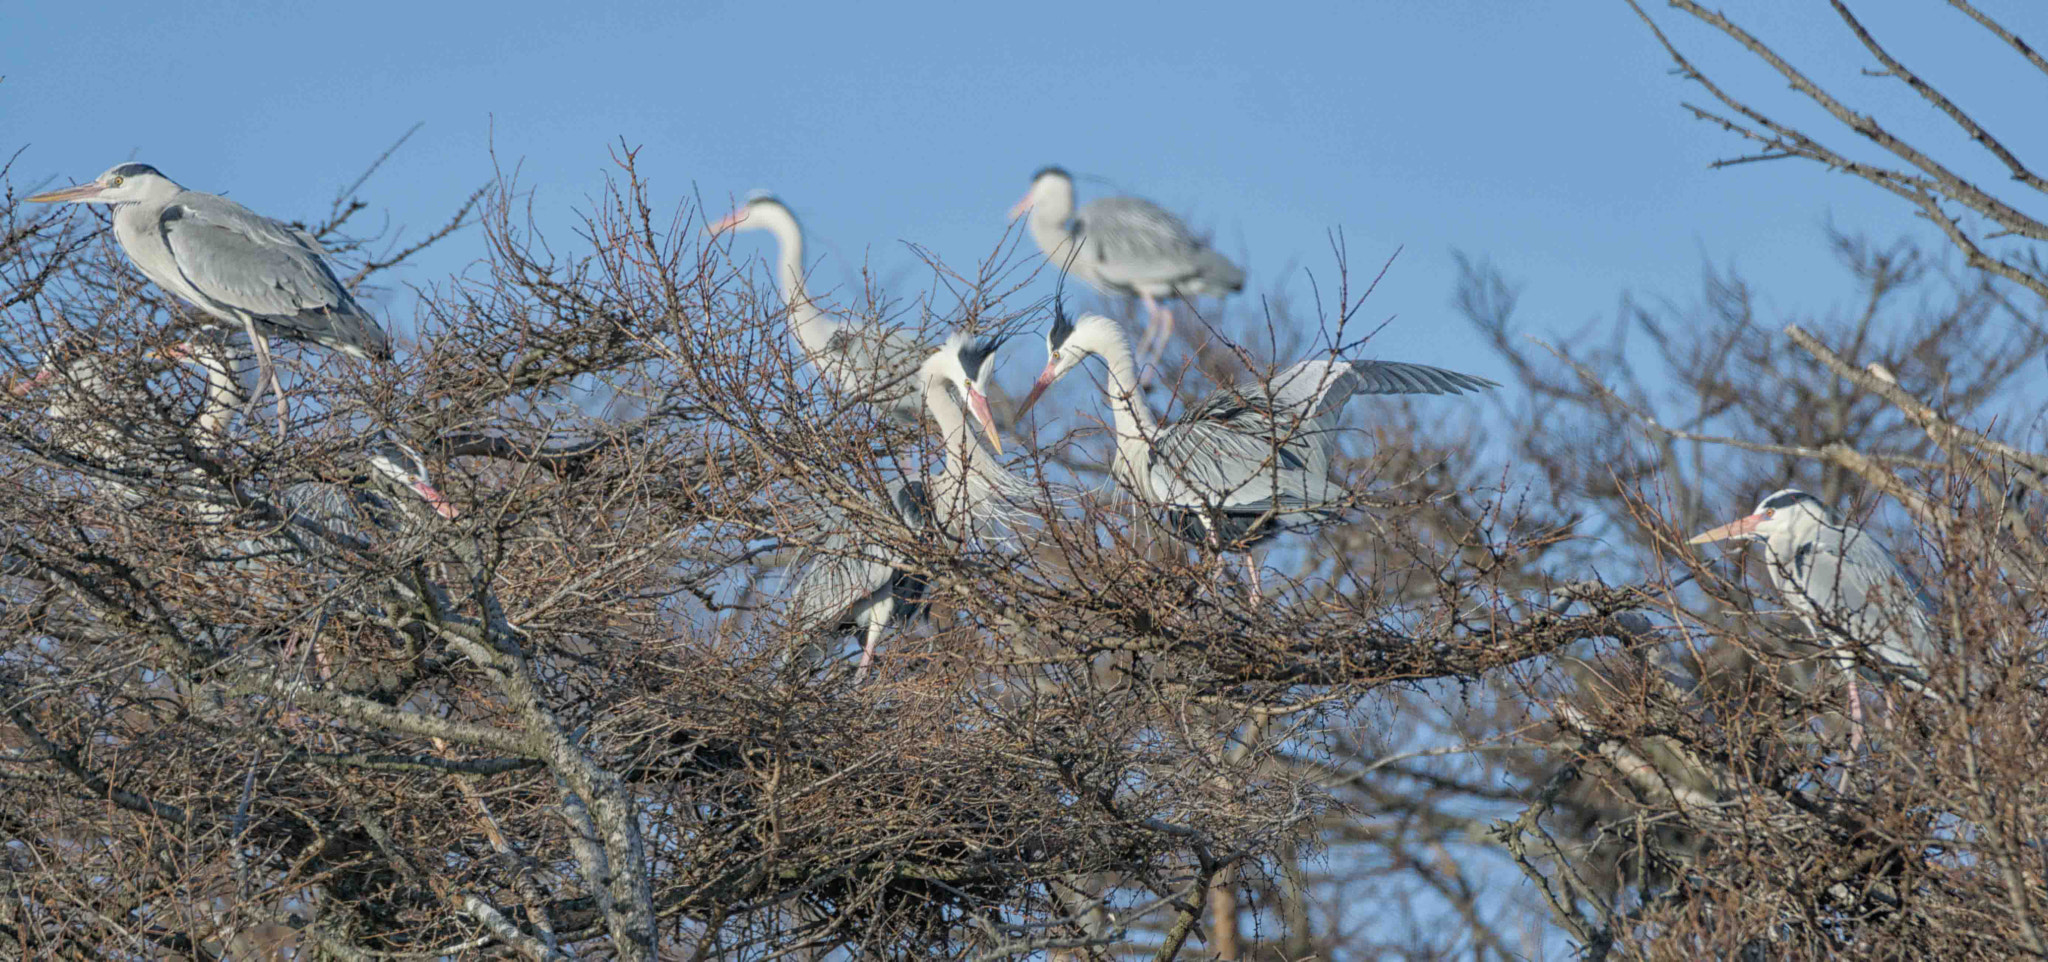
{"x": 844, "y": 572}
{"x": 878, "y": 365}
{"x": 1135, "y": 243}
{"x": 1317, "y": 388}
{"x": 1233, "y": 464}
{"x": 1853, "y": 589}
{"x": 259, "y": 267}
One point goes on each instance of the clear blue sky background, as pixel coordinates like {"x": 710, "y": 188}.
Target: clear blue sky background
{"x": 1545, "y": 136}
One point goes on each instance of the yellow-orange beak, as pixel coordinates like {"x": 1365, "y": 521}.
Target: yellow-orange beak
{"x": 79, "y": 192}
{"x": 1045, "y": 379}
{"x": 1023, "y": 207}
{"x": 1733, "y": 529}
{"x": 441, "y": 505}
{"x": 977, "y": 403}
{"x": 729, "y": 222}
{"x": 28, "y": 385}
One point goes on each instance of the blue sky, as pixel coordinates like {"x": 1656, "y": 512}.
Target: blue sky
{"x": 1545, "y": 137}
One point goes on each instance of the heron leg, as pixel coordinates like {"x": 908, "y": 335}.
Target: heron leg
{"x": 266, "y": 378}
{"x": 867, "y": 652}
{"x": 1158, "y": 334}
{"x": 1855, "y": 715}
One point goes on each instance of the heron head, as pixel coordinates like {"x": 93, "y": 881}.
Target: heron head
{"x": 762, "y": 211}
{"x": 124, "y": 184}
{"x": 1051, "y": 187}
{"x": 1785, "y": 512}
{"x": 962, "y": 364}
{"x": 398, "y": 463}
{"x": 1067, "y": 343}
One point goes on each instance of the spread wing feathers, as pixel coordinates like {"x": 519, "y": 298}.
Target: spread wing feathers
{"x": 877, "y": 365}
{"x": 249, "y": 264}
{"x": 1133, "y": 243}
{"x": 1855, "y": 594}
{"x": 845, "y": 575}
{"x": 1220, "y": 468}
{"x": 1319, "y": 388}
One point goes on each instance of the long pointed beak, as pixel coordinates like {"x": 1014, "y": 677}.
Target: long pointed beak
{"x": 730, "y": 221}
{"x": 80, "y": 192}
{"x": 1045, "y": 379}
{"x": 979, "y": 405}
{"x": 1733, "y": 529}
{"x": 442, "y": 505}
{"x": 1015, "y": 212}
{"x": 28, "y": 385}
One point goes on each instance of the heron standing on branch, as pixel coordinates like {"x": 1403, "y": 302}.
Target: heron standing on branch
{"x": 855, "y": 583}
{"x": 259, "y": 276}
{"x": 1127, "y": 246}
{"x": 1851, "y": 593}
{"x": 1248, "y": 461}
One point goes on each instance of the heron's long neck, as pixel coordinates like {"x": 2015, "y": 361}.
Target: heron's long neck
{"x": 1048, "y": 225}
{"x": 1135, "y": 425}
{"x": 973, "y": 479}
{"x": 812, "y": 329}
{"x": 224, "y": 394}
{"x": 966, "y": 456}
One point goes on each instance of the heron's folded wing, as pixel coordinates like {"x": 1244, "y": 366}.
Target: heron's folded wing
{"x": 1855, "y": 586}
{"x": 257, "y": 266}
{"x": 1133, "y": 241}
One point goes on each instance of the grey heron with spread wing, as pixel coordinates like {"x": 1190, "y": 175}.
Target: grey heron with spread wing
{"x": 1851, "y": 593}
{"x": 256, "y": 275}
{"x": 869, "y": 362}
{"x": 851, "y": 581}
{"x": 1248, "y": 461}
{"x": 1126, "y": 245}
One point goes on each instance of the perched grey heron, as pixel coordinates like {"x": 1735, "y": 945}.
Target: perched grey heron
{"x": 1127, "y": 246}
{"x": 1851, "y": 593}
{"x": 1248, "y": 461}
{"x": 875, "y": 364}
{"x": 321, "y": 514}
{"x": 258, "y": 276}
{"x": 850, "y": 583}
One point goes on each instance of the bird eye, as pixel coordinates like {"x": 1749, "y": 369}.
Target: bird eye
{"x": 117, "y": 182}
{"x": 1770, "y": 513}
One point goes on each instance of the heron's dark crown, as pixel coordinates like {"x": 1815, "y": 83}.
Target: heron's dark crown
{"x": 1051, "y": 169}
{"x": 1062, "y": 327}
{"x": 134, "y": 170}
{"x": 398, "y": 454}
{"x": 763, "y": 197}
{"x": 975, "y": 352}
{"x": 1786, "y": 499}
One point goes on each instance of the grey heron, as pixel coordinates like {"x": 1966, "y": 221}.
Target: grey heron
{"x": 868, "y": 362}
{"x": 256, "y": 275}
{"x": 1248, "y": 461}
{"x": 318, "y": 515}
{"x": 1127, "y": 246}
{"x": 848, "y": 581}
{"x": 316, "y": 524}
{"x": 1851, "y": 593}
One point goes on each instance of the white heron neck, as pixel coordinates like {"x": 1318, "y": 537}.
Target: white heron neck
{"x": 973, "y": 478}
{"x": 805, "y": 320}
{"x": 1048, "y": 224}
{"x": 1135, "y": 425}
